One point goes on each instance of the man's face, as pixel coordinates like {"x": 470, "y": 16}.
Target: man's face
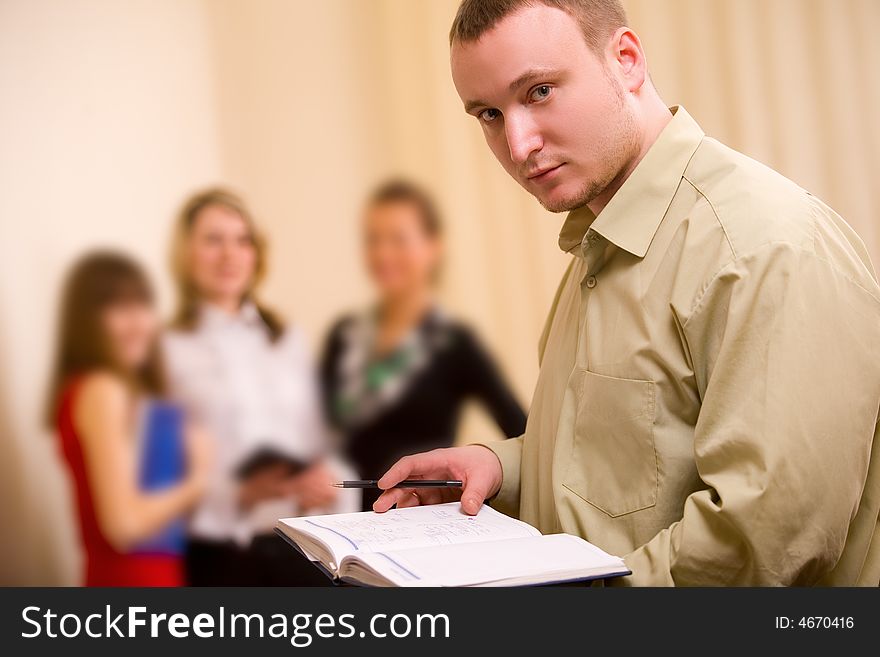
{"x": 551, "y": 109}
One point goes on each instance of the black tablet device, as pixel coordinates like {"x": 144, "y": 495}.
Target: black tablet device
{"x": 268, "y": 457}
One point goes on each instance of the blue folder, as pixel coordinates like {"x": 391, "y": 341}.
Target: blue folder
{"x": 163, "y": 464}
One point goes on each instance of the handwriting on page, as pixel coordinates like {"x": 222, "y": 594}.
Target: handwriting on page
{"x": 417, "y": 527}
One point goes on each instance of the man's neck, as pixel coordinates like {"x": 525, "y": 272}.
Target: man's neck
{"x": 656, "y": 118}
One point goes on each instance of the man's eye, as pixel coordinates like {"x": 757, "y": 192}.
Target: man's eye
{"x": 489, "y": 115}
{"x": 540, "y": 93}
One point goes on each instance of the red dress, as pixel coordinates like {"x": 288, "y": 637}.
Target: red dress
{"x": 105, "y": 566}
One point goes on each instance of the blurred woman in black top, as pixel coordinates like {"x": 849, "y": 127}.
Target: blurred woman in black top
{"x": 395, "y": 377}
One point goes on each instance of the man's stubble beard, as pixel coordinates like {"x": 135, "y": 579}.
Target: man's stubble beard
{"x": 621, "y": 148}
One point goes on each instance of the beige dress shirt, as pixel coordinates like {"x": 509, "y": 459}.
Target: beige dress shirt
{"x": 710, "y": 380}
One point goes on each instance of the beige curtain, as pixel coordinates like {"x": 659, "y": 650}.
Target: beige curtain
{"x": 112, "y": 112}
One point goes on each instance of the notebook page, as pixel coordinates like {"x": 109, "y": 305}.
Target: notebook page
{"x": 337, "y": 546}
{"x": 420, "y": 526}
{"x": 548, "y": 558}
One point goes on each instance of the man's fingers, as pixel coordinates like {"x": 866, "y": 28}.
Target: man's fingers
{"x": 410, "y": 499}
{"x": 430, "y": 495}
{"x": 423, "y": 496}
{"x": 397, "y": 472}
{"x": 415, "y": 466}
{"x": 405, "y": 497}
{"x": 388, "y": 499}
{"x": 437, "y": 464}
{"x": 474, "y": 494}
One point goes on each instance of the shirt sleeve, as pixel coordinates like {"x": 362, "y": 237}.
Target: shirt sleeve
{"x": 784, "y": 348}
{"x": 331, "y": 352}
{"x": 509, "y": 453}
{"x": 485, "y": 383}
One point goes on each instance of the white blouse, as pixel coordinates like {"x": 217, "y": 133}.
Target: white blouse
{"x": 248, "y": 393}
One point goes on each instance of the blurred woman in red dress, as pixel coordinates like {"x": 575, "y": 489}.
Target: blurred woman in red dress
{"x": 106, "y": 375}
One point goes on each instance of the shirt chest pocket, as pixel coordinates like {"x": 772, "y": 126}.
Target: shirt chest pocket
{"x": 613, "y": 463}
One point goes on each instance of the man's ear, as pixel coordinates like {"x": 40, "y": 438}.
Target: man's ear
{"x": 628, "y": 58}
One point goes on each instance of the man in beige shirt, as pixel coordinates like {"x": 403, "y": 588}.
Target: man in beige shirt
{"x": 710, "y": 369}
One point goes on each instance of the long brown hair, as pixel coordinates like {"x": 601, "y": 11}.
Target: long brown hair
{"x": 187, "y": 313}
{"x": 97, "y": 281}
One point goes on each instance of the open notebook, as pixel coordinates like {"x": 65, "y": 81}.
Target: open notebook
{"x": 439, "y": 545}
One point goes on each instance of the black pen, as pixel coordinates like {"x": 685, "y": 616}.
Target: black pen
{"x": 409, "y": 483}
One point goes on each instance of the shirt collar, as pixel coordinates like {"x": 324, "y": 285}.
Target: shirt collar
{"x": 634, "y": 213}
{"x": 211, "y": 316}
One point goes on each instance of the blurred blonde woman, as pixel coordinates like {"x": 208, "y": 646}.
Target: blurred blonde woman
{"x": 117, "y": 438}
{"x": 246, "y": 375}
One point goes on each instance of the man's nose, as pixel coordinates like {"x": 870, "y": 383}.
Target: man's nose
{"x": 523, "y": 138}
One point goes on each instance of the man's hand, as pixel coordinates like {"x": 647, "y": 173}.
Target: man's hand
{"x": 476, "y": 466}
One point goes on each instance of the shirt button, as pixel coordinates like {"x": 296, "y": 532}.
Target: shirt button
{"x": 591, "y": 282}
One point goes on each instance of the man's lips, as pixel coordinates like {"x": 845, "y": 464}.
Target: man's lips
{"x": 543, "y": 174}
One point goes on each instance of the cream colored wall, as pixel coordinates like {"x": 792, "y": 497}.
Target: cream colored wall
{"x": 112, "y": 112}
{"x": 108, "y": 117}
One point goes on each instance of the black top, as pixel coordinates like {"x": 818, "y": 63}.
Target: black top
{"x": 424, "y": 413}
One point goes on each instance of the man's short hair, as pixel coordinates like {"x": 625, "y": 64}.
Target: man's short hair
{"x": 598, "y": 19}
